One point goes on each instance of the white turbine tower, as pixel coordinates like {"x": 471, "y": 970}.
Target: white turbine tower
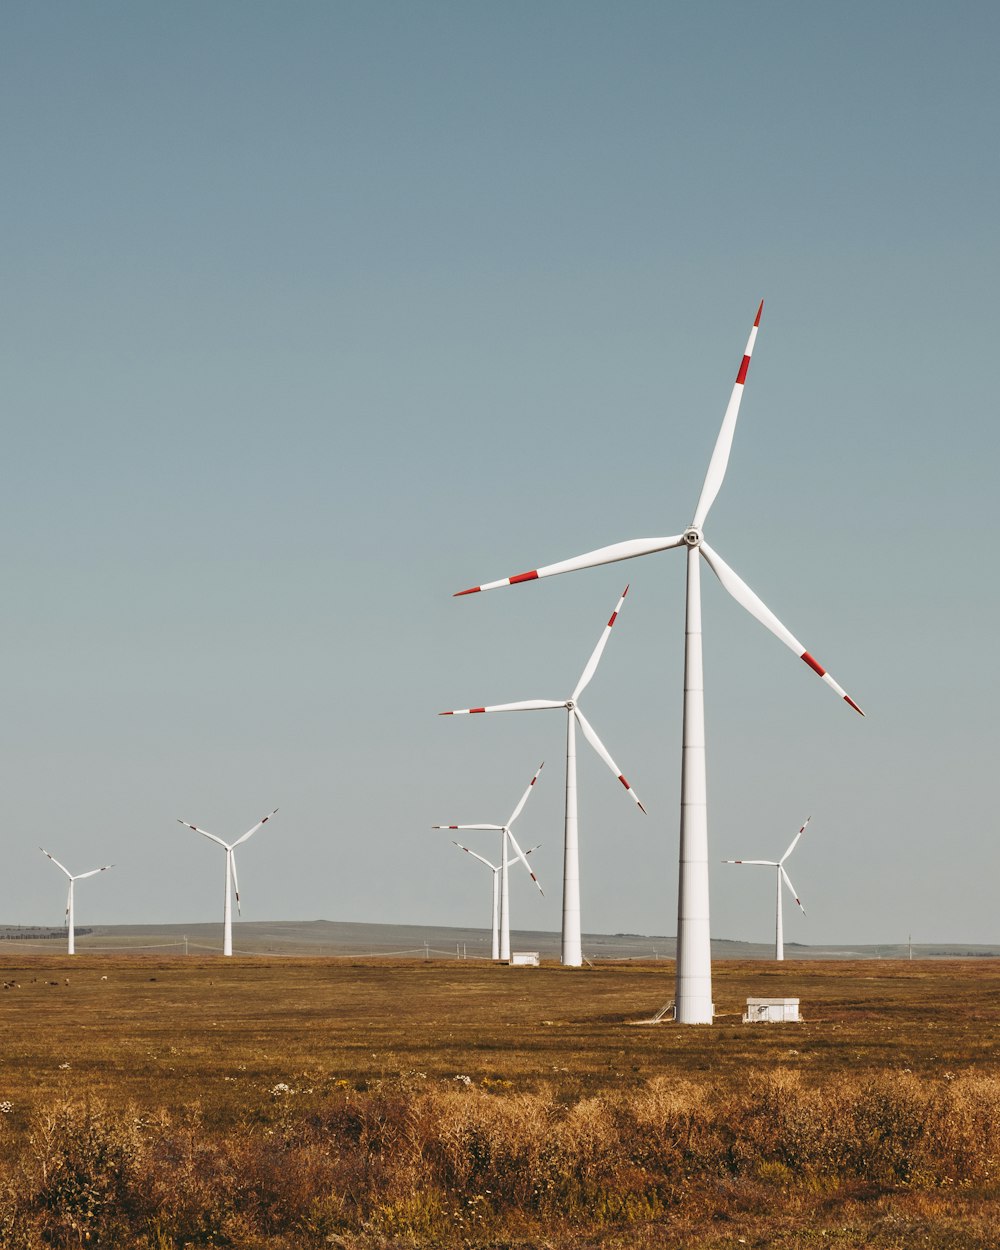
{"x": 506, "y": 834}
{"x": 495, "y": 870}
{"x": 693, "y": 997}
{"x": 779, "y": 866}
{"x": 70, "y": 923}
{"x": 572, "y": 947}
{"x": 232, "y": 881}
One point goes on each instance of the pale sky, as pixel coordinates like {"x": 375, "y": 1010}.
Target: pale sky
{"x": 314, "y": 313}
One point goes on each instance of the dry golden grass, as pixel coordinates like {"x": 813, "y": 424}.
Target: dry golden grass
{"x": 303, "y": 1103}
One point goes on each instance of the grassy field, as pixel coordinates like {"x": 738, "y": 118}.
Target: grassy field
{"x": 334, "y": 1102}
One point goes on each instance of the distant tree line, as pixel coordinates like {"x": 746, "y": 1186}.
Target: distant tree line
{"x": 35, "y": 935}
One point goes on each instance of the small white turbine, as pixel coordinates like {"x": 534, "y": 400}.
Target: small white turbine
{"x": 779, "y": 939}
{"x": 506, "y": 834}
{"x": 572, "y": 941}
{"x": 71, "y": 948}
{"x": 495, "y": 869}
{"x": 232, "y": 881}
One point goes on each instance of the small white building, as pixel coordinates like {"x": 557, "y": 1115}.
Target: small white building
{"x": 771, "y": 1010}
{"x": 524, "y": 959}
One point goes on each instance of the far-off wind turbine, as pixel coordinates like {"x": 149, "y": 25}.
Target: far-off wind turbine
{"x": 495, "y": 871}
{"x": 71, "y": 948}
{"x": 506, "y": 835}
{"x": 780, "y": 874}
{"x": 232, "y": 881}
{"x": 693, "y": 997}
{"x": 572, "y": 947}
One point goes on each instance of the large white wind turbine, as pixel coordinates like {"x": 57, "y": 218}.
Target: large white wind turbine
{"x": 70, "y": 927}
{"x": 572, "y": 948}
{"x": 693, "y": 998}
{"x": 506, "y": 835}
{"x": 779, "y": 866}
{"x": 495, "y": 871}
{"x": 232, "y": 881}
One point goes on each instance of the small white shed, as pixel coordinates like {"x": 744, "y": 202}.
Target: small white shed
{"x": 524, "y": 959}
{"x": 771, "y": 1010}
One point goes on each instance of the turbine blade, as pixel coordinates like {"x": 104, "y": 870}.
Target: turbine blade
{"x": 236, "y": 883}
{"x": 93, "y": 872}
{"x": 204, "y": 832}
{"x": 795, "y": 840}
{"x": 524, "y": 860}
{"x": 603, "y": 555}
{"x": 527, "y": 705}
{"x": 494, "y": 828}
{"x": 767, "y": 863}
{"x": 474, "y": 855}
{"x": 602, "y": 751}
{"x": 250, "y": 832}
{"x": 513, "y": 860}
{"x": 788, "y": 882}
{"x": 595, "y": 659}
{"x": 724, "y": 443}
{"x": 57, "y": 863}
{"x": 744, "y": 596}
{"x": 524, "y": 797}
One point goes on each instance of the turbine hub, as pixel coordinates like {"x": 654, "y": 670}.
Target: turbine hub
{"x": 570, "y": 705}
{"x": 692, "y": 536}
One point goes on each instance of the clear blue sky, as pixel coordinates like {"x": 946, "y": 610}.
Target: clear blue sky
{"x": 314, "y": 313}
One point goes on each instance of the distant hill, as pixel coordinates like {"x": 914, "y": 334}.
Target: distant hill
{"x": 345, "y": 938}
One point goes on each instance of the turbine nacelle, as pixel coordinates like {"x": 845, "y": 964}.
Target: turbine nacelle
{"x": 693, "y": 536}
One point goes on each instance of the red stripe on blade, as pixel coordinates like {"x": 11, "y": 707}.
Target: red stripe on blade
{"x": 473, "y": 590}
{"x": 756, "y": 319}
{"x": 477, "y": 709}
{"x": 446, "y": 713}
{"x": 816, "y": 668}
{"x": 614, "y": 616}
{"x": 524, "y": 577}
{"x": 741, "y": 377}
{"x": 848, "y": 699}
{"x": 624, "y": 783}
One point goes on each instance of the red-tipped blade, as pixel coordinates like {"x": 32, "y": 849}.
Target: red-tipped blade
{"x": 603, "y": 555}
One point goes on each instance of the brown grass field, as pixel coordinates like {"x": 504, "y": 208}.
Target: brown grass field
{"x": 304, "y": 1103}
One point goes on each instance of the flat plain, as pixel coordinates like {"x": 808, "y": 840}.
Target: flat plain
{"x": 483, "y": 1077}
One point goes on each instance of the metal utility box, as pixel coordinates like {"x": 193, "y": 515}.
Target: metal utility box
{"x": 771, "y": 1010}
{"x": 524, "y": 959}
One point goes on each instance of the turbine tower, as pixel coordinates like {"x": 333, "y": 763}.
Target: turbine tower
{"x": 495, "y": 870}
{"x": 507, "y": 835}
{"x": 572, "y": 945}
{"x": 232, "y": 881}
{"x": 70, "y": 924}
{"x": 693, "y": 995}
{"x": 779, "y": 866}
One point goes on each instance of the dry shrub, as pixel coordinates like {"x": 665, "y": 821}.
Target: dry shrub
{"x": 489, "y": 1145}
{"x": 448, "y": 1166}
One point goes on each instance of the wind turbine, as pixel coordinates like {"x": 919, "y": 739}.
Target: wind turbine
{"x": 71, "y": 948}
{"x": 506, "y": 834}
{"x": 232, "y": 881}
{"x": 495, "y": 869}
{"x": 693, "y": 997}
{"x": 572, "y": 948}
{"x": 779, "y": 938}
